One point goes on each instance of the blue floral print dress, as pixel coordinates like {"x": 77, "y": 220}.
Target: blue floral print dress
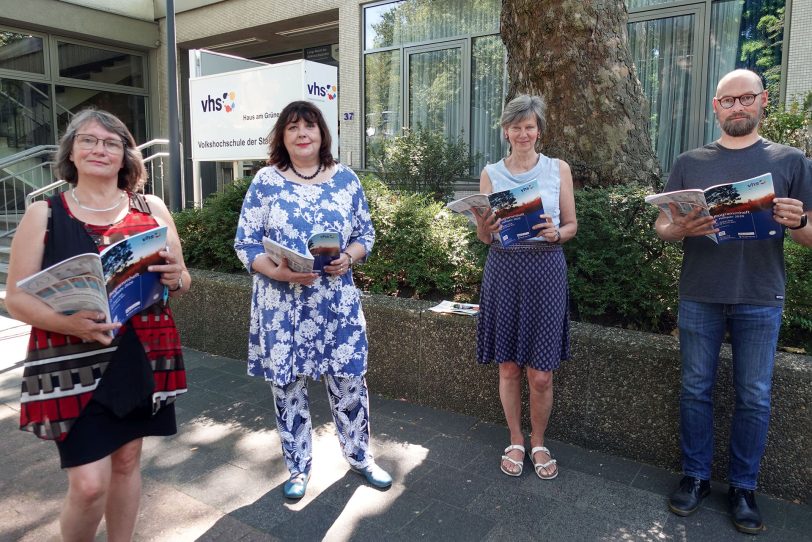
{"x": 304, "y": 330}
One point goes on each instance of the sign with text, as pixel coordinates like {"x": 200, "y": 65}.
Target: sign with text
{"x": 233, "y": 113}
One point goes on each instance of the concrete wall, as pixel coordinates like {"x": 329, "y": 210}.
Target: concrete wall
{"x": 619, "y": 394}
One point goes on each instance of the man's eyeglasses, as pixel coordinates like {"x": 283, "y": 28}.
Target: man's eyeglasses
{"x": 88, "y": 142}
{"x": 745, "y": 99}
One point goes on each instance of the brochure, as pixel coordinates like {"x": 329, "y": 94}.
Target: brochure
{"x": 742, "y": 210}
{"x": 322, "y": 249}
{"x": 518, "y": 208}
{"x": 451, "y": 307}
{"x": 114, "y": 281}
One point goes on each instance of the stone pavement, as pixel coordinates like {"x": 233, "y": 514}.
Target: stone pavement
{"x": 221, "y": 477}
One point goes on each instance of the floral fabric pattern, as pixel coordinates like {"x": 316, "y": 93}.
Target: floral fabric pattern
{"x": 300, "y": 330}
{"x": 349, "y": 402}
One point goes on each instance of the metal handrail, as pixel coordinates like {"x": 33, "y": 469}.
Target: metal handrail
{"x": 33, "y": 152}
{"x": 29, "y": 198}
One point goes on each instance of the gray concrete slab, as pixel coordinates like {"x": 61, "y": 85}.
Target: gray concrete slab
{"x": 220, "y": 477}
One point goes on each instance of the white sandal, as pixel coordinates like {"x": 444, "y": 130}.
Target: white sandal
{"x": 516, "y": 463}
{"x": 546, "y": 465}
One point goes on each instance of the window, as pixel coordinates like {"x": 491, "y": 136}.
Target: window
{"x": 100, "y": 65}
{"x": 21, "y": 52}
{"x": 438, "y": 65}
{"x": 682, "y": 49}
{"x": 45, "y": 80}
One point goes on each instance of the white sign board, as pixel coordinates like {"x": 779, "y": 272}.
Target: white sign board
{"x": 233, "y": 113}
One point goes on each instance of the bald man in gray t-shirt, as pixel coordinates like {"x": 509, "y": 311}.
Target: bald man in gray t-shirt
{"x": 736, "y": 287}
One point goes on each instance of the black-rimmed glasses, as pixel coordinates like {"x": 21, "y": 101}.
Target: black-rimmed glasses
{"x": 745, "y": 99}
{"x": 88, "y": 142}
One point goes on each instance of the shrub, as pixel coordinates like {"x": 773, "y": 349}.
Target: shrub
{"x": 421, "y": 249}
{"x": 790, "y": 125}
{"x": 620, "y": 273}
{"x": 208, "y": 233}
{"x": 796, "y": 329}
{"x": 422, "y": 161}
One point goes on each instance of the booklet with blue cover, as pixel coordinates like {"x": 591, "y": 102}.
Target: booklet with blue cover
{"x": 115, "y": 281}
{"x": 322, "y": 248}
{"x": 742, "y": 210}
{"x": 519, "y": 209}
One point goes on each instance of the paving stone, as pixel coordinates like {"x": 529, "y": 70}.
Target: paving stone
{"x": 220, "y": 478}
{"x": 441, "y": 521}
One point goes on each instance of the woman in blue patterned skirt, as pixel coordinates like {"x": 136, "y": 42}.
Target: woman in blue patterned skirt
{"x": 524, "y": 320}
{"x": 308, "y": 324}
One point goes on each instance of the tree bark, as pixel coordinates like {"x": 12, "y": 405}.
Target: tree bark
{"x": 575, "y": 54}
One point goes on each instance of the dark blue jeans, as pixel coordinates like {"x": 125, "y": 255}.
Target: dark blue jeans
{"x": 754, "y": 335}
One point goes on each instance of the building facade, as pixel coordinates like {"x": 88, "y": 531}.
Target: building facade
{"x": 434, "y": 63}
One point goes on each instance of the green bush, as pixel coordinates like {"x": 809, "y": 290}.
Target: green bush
{"x": 796, "y": 329}
{"x": 208, "y": 233}
{"x": 422, "y": 161}
{"x": 421, "y": 249}
{"x": 620, "y": 273}
{"x": 790, "y": 125}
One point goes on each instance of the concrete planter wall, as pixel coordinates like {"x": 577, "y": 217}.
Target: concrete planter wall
{"x": 619, "y": 393}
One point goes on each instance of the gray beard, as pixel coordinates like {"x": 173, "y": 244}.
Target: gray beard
{"x": 738, "y": 129}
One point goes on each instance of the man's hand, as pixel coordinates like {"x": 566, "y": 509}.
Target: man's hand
{"x": 692, "y": 224}
{"x": 788, "y": 212}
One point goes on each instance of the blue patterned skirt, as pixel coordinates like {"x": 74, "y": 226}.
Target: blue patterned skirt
{"x": 524, "y": 307}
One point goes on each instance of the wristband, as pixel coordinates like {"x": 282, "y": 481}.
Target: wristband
{"x": 557, "y": 236}
{"x": 348, "y": 256}
{"x": 804, "y": 220}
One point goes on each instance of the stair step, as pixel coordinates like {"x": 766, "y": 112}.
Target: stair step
{"x": 5, "y": 254}
{"x": 3, "y": 275}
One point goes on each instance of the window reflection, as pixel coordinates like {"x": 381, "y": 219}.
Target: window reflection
{"x": 21, "y": 52}
{"x": 100, "y": 65}
{"x": 129, "y": 108}
{"x": 25, "y": 116}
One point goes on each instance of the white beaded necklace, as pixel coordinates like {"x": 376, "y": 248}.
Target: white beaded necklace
{"x": 118, "y": 202}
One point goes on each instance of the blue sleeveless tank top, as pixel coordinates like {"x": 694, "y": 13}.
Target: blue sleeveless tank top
{"x": 546, "y": 171}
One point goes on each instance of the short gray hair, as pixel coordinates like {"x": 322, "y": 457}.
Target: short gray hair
{"x": 523, "y": 106}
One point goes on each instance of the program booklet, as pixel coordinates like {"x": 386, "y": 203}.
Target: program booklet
{"x": 742, "y": 210}
{"x": 518, "y": 208}
{"x": 115, "y": 281}
{"x": 322, "y": 249}
{"x": 452, "y": 307}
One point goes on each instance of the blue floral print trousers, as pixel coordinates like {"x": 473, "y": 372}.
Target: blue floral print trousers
{"x": 349, "y": 402}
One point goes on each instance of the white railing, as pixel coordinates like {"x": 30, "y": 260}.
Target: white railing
{"x": 21, "y": 189}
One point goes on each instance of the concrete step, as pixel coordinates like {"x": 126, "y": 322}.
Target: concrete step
{"x": 5, "y": 254}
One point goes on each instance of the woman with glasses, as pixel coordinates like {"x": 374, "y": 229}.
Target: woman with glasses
{"x": 97, "y": 396}
{"x": 523, "y": 321}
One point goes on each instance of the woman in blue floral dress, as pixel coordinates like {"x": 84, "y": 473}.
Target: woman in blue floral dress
{"x": 308, "y": 324}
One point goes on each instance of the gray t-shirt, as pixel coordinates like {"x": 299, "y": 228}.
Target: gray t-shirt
{"x": 747, "y": 272}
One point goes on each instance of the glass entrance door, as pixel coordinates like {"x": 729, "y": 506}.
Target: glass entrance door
{"x": 435, "y": 88}
{"x": 664, "y": 50}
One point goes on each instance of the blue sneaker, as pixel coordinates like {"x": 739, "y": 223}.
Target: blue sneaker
{"x": 295, "y": 487}
{"x": 375, "y": 475}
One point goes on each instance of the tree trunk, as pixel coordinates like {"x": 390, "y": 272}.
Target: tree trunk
{"x": 574, "y": 53}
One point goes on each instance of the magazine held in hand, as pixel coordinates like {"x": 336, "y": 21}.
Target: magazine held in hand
{"x": 322, "y": 249}
{"x": 742, "y": 210}
{"x": 518, "y": 208}
{"x": 114, "y": 281}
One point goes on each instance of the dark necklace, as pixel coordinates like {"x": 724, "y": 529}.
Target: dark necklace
{"x": 305, "y": 177}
